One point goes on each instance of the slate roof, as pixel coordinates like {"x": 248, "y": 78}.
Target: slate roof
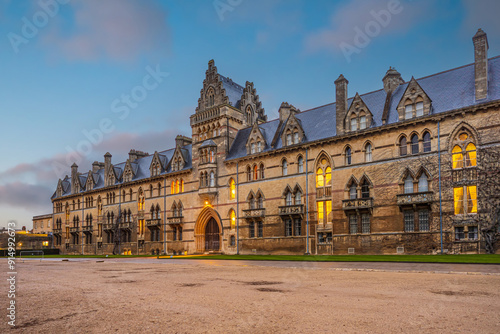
{"x": 141, "y": 166}
{"x": 233, "y": 91}
{"x": 449, "y": 90}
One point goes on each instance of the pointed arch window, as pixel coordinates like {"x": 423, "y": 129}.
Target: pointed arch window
{"x": 408, "y": 184}
{"x": 414, "y": 144}
{"x": 259, "y": 146}
{"x": 261, "y": 171}
{"x": 427, "y": 142}
{"x": 354, "y": 124}
{"x": 252, "y": 148}
{"x": 251, "y": 202}
{"x": 368, "y": 152}
{"x": 423, "y": 184}
{"x": 288, "y": 199}
{"x": 353, "y": 192}
{"x": 348, "y": 155}
{"x": 289, "y": 138}
{"x": 260, "y": 201}
{"x": 284, "y": 167}
{"x": 232, "y": 218}
{"x": 212, "y": 179}
{"x": 249, "y": 173}
{"x": 232, "y": 189}
{"x": 298, "y": 197}
{"x": 362, "y": 122}
{"x": 296, "y": 137}
{"x": 365, "y": 189}
{"x": 300, "y": 164}
{"x": 403, "y": 148}
{"x": 255, "y": 172}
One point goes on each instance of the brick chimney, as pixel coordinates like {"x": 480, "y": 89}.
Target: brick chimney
{"x": 480, "y": 41}
{"x": 75, "y": 183}
{"x": 341, "y": 102}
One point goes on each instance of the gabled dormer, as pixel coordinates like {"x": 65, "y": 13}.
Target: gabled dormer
{"x": 207, "y": 152}
{"x": 293, "y": 133}
{"x": 158, "y": 164}
{"x": 90, "y": 183}
{"x": 414, "y": 103}
{"x": 251, "y": 106}
{"x": 359, "y": 116}
{"x": 178, "y": 160}
{"x": 256, "y": 141}
{"x": 111, "y": 177}
{"x": 129, "y": 171}
{"x": 59, "y": 190}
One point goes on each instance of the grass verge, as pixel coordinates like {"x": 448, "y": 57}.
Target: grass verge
{"x": 473, "y": 258}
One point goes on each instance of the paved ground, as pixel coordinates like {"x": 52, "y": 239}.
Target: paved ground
{"x": 207, "y": 296}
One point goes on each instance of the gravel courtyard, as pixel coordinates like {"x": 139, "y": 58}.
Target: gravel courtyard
{"x": 162, "y": 296}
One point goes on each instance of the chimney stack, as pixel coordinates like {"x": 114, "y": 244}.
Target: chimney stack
{"x": 481, "y": 64}
{"x": 133, "y": 155}
{"x": 95, "y": 166}
{"x": 107, "y": 164}
{"x": 285, "y": 110}
{"x": 74, "y": 179}
{"x": 392, "y": 79}
{"x": 341, "y": 102}
{"x": 182, "y": 140}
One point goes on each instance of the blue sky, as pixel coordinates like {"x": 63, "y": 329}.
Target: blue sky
{"x": 66, "y": 65}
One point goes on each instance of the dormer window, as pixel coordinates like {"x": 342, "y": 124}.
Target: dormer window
{"x": 362, "y": 122}
{"x": 419, "y": 108}
{"x": 296, "y": 137}
{"x": 354, "y": 124}
{"x": 288, "y": 139}
{"x": 252, "y": 148}
{"x": 259, "y": 146}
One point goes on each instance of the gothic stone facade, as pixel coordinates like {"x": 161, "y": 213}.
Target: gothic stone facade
{"x": 360, "y": 175}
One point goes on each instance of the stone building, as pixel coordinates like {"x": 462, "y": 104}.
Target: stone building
{"x": 42, "y": 223}
{"x": 396, "y": 170}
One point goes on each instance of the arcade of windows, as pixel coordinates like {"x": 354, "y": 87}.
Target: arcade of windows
{"x": 255, "y": 172}
{"x": 177, "y": 186}
{"x": 207, "y": 179}
{"x": 414, "y": 144}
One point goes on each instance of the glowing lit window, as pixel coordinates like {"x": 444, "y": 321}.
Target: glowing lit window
{"x": 232, "y": 217}
{"x": 470, "y": 155}
{"x": 457, "y": 157}
{"x": 232, "y": 189}
{"x": 465, "y": 199}
{"x": 177, "y": 187}
{"x": 328, "y": 176}
{"x": 172, "y": 187}
{"x": 320, "y": 181}
{"x": 320, "y": 211}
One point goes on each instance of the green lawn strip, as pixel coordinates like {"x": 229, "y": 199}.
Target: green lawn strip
{"x": 475, "y": 258}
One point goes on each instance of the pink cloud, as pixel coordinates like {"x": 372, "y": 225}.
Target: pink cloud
{"x": 113, "y": 29}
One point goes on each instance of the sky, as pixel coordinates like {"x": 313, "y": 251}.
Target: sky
{"x": 79, "y": 78}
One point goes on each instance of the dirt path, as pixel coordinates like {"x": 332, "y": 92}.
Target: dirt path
{"x": 91, "y": 297}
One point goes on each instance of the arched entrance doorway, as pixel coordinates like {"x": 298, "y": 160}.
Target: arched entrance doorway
{"x": 212, "y": 236}
{"x": 208, "y": 231}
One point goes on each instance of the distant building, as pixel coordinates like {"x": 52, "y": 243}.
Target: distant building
{"x": 42, "y": 224}
{"x": 376, "y": 173}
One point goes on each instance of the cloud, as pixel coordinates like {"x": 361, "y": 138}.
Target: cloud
{"x": 27, "y": 196}
{"x": 113, "y": 29}
{"x": 357, "y": 14}
{"x": 29, "y": 186}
